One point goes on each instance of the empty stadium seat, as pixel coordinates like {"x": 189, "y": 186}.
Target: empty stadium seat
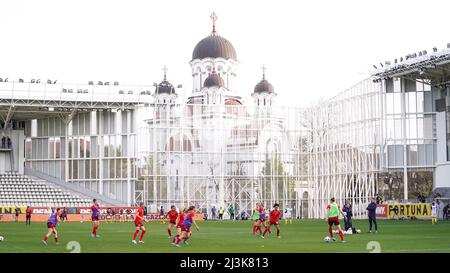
{"x": 20, "y": 190}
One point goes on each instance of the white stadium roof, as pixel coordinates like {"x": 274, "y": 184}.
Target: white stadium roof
{"x": 28, "y": 100}
{"x": 434, "y": 66}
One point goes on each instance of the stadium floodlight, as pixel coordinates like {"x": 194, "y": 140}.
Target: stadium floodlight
{"x": 51, "y": 109}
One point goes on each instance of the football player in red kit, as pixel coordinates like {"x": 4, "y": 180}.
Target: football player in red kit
{"x": 180, "y": 220}
{"x": 139, "y": 223}
{"x": 95, "y": 210}
{"x": 186, "y": 227}
{"x": 274, "y": 219}
{"x": 173, "y": 215}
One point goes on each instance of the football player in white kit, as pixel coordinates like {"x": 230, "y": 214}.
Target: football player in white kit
{"x": 434, "y": 210}
{"x": 287, "y": 215}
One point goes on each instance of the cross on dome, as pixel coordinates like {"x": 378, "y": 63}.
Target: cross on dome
{"x": 264, "y": 71}
{"x": 165, "y": 71}
{"x": 213, "y": 19}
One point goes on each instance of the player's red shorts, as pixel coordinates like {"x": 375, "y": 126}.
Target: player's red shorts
{"x": 50, "y": 225}
{"x": 139, "y": 224}
{"x": 274, "y": 223}
{"x": 174, "y": 222}
{"x": 185, "y": 228}
{"x": 94, "y": 218}
{"x": 333, "y": 221}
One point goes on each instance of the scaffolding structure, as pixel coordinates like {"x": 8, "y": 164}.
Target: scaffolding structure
{"x": 214, "y": 155}
{"x": 234, "y": 155}
{"x": 345, "y": 140}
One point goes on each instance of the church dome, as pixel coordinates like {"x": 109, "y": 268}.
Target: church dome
{"x": 214, "y": 79}
{"x": 264, "y": 85}
{"x": 165, "y": 86}
{"x": 214, "y": 46}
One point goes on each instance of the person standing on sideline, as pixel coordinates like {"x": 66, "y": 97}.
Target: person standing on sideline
{"x": 348, "y": 213}
{"x": 28, "y": 216}
{"x": 445, "y": 212}
{"x": 221, "y": 211}
{"x": 17, "y": 213}
{"x": 434, "y": 210}
{"x": 379, "y": 199}
{"x": 231, "y": 211}
{"x": 372, "y": 212}
{"x": 161, "y": 214}
{"x": 213, "y": 213}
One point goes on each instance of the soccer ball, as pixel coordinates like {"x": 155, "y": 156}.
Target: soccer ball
{"x": 327, "y": 239}
{"x": 1, "y": 238}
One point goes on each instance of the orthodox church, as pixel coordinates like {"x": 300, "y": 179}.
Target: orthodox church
{"x": 213, "y": 149}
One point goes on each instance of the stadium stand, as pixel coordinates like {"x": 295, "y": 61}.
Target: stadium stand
{"x": 22, "y": 190}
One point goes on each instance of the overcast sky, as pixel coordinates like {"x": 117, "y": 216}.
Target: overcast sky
{"x": 312, "y": 49}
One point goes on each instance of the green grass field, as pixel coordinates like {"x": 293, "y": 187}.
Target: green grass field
{"x": 300, "y": 236}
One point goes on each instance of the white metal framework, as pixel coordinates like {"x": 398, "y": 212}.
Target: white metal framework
{"x": 222, "y": 155}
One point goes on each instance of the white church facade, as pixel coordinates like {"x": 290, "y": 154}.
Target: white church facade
{"x": 213, "y": 150}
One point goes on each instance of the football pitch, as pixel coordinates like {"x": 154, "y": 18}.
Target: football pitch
{"x": 234, "y": 237}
